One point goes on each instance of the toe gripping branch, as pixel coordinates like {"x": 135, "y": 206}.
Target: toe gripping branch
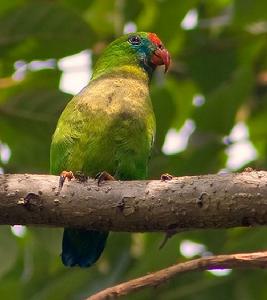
{"x": 103, "y": 176}
{"x": 166, "y": 177}
{"x": 63, "y": 176}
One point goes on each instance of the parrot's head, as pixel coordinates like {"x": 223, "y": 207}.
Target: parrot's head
{"x": 142, "y": 49}
{"x": 149, "y": 50}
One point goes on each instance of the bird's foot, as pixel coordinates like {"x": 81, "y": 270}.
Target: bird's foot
{"x": 80, "y": 176}
{"x": 103, "y": 176}
{"x": 166, "y": 177}
{"x": 63, "y": 176}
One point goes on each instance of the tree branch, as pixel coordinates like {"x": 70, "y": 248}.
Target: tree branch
{"x": 192, "y": 202}
{"x": 208, "y": 201}
{"x": 242, "y": 260}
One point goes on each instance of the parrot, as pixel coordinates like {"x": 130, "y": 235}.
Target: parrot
{"x": 107, "y": 130}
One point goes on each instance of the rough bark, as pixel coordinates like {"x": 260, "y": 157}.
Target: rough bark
{"x": 235, "y": 261}
{"x": 209, "y": 201}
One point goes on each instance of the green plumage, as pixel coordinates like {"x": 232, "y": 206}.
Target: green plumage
{"x": 108, "y": 126}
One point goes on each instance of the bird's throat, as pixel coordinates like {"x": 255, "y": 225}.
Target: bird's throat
{"x": 125, "y": 71}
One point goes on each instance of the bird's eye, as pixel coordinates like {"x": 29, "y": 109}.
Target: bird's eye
{"x": 134, "y": 40}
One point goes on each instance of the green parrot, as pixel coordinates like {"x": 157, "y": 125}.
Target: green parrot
{"x": 109, "y": 126}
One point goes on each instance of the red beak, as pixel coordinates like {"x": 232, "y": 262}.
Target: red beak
{"x": 161, "y": 57}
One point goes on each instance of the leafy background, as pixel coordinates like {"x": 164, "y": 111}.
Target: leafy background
{"x": 211, "y": 111}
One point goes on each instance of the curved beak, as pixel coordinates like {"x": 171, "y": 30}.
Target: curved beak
{"x": 161, "y": 57}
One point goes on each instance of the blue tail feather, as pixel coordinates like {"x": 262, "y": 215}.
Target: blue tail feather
{"x": 82, "y": 247}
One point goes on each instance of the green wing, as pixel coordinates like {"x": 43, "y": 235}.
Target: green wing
{"x": 67, "y": 140}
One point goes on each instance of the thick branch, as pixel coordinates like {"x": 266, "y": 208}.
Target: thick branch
{"x": 242, "y": 260}
{"x": 210, "y": 201}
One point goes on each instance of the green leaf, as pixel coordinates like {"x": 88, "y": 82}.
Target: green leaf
{"x": 105, "y": 13}
{"x": 193, "y": 161}
{"x": 173, "y": 13}
{"x": 258, "y": 131}
{"x": 44, "y": 34}
{"x": 8, "y": 250}
{"x": 210, "y": 61}
{"x": 6, "y": 5}
{"x": 183, "y": 93}
{"x": 246, "y": 11}
{"x": 164, "y": 108}
{"x": 147, "y": 16}
{"x": 28, "y": 115}
{"x": 218, "y": 114}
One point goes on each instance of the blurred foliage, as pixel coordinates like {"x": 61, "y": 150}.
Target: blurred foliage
{"x": 223, "y": 59}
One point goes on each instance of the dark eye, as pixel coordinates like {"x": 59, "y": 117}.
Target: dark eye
{"x": 134, "y": 40}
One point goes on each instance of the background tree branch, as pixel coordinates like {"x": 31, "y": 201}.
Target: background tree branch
{"x": 236, "y": 261}
{"x": 208, "y": 201}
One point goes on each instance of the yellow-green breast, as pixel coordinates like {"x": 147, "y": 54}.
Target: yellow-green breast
{"x": 108, "y": 126}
